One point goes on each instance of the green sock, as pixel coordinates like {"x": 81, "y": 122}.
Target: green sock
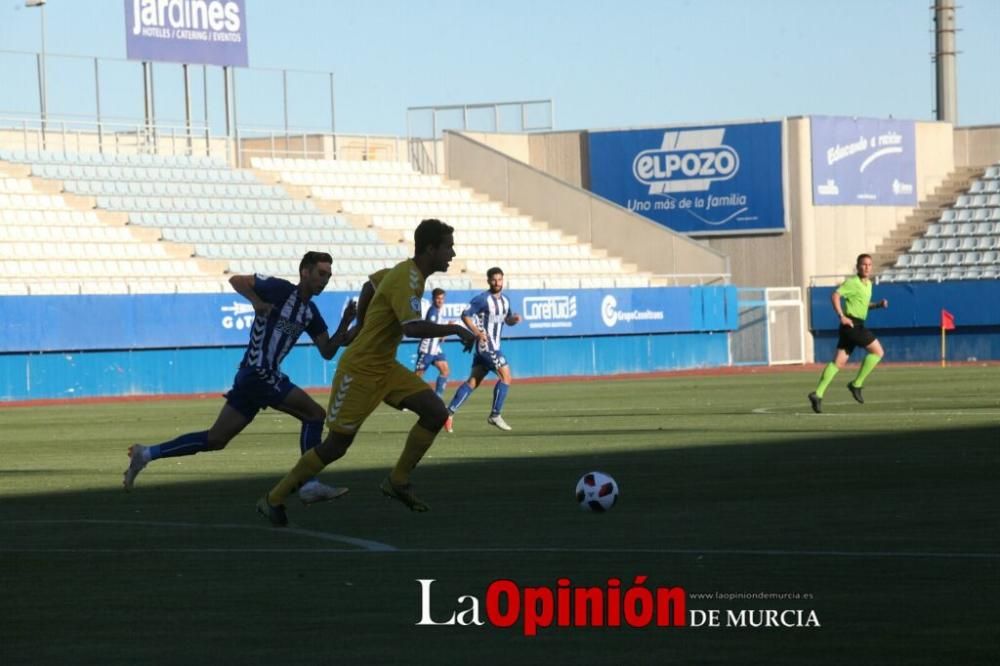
{"x": 829, "y": 372}
{"x": 867, "y": 365}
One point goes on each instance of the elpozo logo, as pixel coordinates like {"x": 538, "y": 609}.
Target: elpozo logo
{"x": 687, "y": 161}
{"x": 611, "y": 315}
{"x": 549, "y": 311}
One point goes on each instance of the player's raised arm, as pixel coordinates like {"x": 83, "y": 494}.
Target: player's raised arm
{"x": 328, "y": 346}
{"x": 244, "y": 286}
{"x": 361, "y": 306}
{"x": 421, "y": 328}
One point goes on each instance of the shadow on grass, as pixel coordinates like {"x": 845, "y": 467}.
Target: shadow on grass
{"x": 893, "y": 538}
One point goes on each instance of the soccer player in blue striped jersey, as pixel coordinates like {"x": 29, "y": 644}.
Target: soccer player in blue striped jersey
{"x": 487, "y": 313}
{"x": 283, "y": 312}
{"x": 430, "y": 351}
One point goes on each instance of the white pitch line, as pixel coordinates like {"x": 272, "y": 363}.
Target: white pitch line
{"x": 622, "y": 551}
{"x": 700, "y": 552}
{"x": 841, "y": 403}
{"x": 365, "y": 544}
{"x": 957, "y": 412}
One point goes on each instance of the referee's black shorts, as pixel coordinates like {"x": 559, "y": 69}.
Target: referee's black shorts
{"x": 858, "y": 336}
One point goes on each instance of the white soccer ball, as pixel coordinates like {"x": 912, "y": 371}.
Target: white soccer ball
{"x": 596, "y": 491}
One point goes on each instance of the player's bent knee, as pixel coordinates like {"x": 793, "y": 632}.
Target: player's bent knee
{"x": 215, "y": 443}
{"x": 333, "y": 448}
{"x": 434, "y": 418}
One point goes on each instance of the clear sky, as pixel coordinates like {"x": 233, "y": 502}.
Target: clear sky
{"x": 605, "y": 63}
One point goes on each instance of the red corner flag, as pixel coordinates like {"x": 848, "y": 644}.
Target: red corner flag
{"x": 947, "y": 321}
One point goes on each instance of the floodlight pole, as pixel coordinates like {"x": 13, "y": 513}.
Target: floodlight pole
{"x": 42, "y": 92}
{"x": 204, "y": 85}
{"x": 97, "y": 101}
{"x": 187, "y": 106}
{"x": 945, "y": 55}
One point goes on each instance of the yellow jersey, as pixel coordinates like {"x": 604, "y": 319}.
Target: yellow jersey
{"x": 396, "y": 301}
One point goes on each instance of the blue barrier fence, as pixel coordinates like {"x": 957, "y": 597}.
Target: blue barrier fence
{"x": 910, "y": 329}
{"x": 88, "y": 346}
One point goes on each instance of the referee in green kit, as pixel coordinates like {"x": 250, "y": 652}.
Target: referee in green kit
{"x": 857, "y": 294}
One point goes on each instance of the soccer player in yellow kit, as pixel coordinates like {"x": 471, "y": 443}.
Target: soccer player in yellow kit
{"x": 369, "y": 373}
{"x": 857, "y": 294}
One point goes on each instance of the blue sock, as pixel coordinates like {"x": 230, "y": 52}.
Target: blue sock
{"x": 440, "y": 384}
{"x": 310, "y": 435}
{"x": 309, "y": 438}
{"x": 461, "y": 395}
{"x": 499, "y": 395}
{"x": 185, "y": 445}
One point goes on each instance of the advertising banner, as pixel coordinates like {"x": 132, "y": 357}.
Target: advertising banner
{"x": 863, "y": 162}
{"x": 720, "y": 179}
{"x": 202, "y": 32}
{"x": 78, "y": 323}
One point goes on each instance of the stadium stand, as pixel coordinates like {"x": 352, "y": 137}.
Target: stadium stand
{"x": 54, "y": 242}
{"x": 392, "y": 198}
{"x": 962, "y": 244}
{"x": 138, "y": 223}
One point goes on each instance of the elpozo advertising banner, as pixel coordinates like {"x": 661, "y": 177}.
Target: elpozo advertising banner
{"x": 718, "y": 179}
{"x": 863, "y": 162}
{"x": 78, "y": 323}
{"x": 203, "y": 32}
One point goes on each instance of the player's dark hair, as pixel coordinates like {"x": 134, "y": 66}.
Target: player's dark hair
{"x": 310, "y": 259}
{"x": 862, "y": 257}
{"x": 430, "y": 233}
{"x": 438, "y": 292}
{"x": 493, "y": 271}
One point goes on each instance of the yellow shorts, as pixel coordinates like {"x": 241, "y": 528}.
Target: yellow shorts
{"x": 354, "y": 396}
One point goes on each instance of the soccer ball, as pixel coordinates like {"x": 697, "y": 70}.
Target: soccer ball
{"x": 596, "y": 491}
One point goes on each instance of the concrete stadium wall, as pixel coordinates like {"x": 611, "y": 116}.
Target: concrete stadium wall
{"x": 820, "y": 240}
{"x": 829, "y": 238}
{"x": 513, "y": 181}
{"x": 977, "y": 146}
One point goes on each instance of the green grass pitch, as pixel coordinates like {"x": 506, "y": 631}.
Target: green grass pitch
{"x": 883, "y": 519}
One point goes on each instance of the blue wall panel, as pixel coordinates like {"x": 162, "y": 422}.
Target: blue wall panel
{"x": 913, "y": 345}
{"x": 152, "y": 372}
{"x": 158, "y": 321}
{"x": 910, "y": 330}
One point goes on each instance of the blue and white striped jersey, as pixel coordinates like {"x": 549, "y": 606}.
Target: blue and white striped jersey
{"x": 432, "y": 346}
{"x": 490, "y": 313}
{"x": 273, "y": 337}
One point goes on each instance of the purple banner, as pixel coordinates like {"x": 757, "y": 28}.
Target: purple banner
{"x": 202, "y": 32}
{"x": 863, "y": 162}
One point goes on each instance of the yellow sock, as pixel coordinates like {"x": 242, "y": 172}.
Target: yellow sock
{"x": 417, "y": 443}
{"x": 308, "y": 466}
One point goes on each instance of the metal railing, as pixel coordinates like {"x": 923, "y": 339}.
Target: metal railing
{"x": 310, "y": 144}
{"x": 700, "y": 279}
{"x": 110, "y": 136}
{"x": 425, "y": 141}
{"x": 67, "y": 135}
{"x": 124, "y": 82}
